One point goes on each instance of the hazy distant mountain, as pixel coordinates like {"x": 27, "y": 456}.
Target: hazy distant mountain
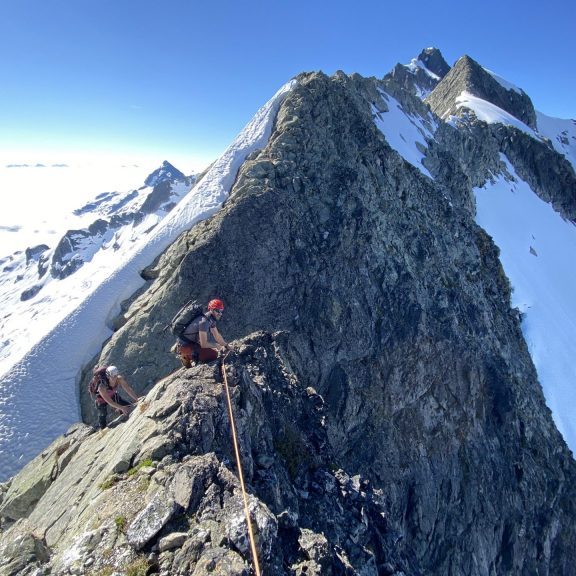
{"x": 31, "y": 280}
{"x": 165, "y": 172}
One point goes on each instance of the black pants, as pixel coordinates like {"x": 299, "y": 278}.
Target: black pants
{"x": 103, "y": 410}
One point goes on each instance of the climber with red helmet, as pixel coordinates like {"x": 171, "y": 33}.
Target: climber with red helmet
{"x": 201, "y": 341}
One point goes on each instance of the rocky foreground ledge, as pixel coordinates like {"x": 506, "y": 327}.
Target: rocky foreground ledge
{"x": 160, "y": 493}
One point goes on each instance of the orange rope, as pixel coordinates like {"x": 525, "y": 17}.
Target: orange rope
{"x": 241, "y": 474}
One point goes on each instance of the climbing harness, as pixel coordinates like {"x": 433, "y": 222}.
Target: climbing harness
{"x": 240, "y": 473}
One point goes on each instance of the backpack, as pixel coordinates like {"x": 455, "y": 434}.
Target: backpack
{"x": 98, "y": 376}
{"x": 184, "y": 316}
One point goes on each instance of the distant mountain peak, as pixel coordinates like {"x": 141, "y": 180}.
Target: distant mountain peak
{"x": 468, "y": 76}
{"x": 433, "y": 60}
{"x": 423, "y": 73}
{"x": 165, "y": 172}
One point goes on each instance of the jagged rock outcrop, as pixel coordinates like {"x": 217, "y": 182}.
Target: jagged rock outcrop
{"x": 398, "y": 312}
{"x": 68, "y": 256}
{"x": 160, "y": 196}
{"x": 468, "y": 76}
{"x": 469, "y": 156}
{"x": 161, "y": 491}
{"x": 35, "y": 252}
{"x": 434, "y": 61}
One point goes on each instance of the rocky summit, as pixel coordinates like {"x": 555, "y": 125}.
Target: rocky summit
{"x": 388, "y": 414}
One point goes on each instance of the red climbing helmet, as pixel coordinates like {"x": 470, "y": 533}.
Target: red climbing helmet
{"x": 216, "y": 304}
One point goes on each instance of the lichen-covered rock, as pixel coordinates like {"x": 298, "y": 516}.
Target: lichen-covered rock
{"x": 264, "y": 525}
{"x": 221, "y": 562}
{"x": 23, "y": 556}
{"x": 36, "y": 477}
{"x": 315, "y": 546}
{"x": 173, "y": 540}
{"x": 151, "y": 520}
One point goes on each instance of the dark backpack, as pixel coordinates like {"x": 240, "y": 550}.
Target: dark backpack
{"x": 184, "y": 316}
{"x": 98, "y": 376}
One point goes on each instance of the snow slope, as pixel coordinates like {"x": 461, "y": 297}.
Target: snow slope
{"x": 538, "y": 248}
{"x": 538, "y": 252}
{"x": 103, "y": 233}
{"x": 491, "y": 114}
{"x": 561, "y": 133}
{"x": 38, "y": 395}
{"x": 404, "y": 132}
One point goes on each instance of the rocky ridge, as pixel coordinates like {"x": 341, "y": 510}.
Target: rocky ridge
{"x": 391, "y": 420}
{"x": 161, "y": 491}
{"x": 374, "y": 271}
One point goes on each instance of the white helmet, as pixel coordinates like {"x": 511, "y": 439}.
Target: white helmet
{"x": 112, "y": 372}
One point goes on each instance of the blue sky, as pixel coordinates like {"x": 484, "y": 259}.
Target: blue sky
{"x": 179, "y": 79}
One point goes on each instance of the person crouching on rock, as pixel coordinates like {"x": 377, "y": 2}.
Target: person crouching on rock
{"x": 201, "y": 341}
{"x": 106, "y": 384}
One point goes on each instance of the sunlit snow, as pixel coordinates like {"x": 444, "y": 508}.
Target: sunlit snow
{"x": 490, "y": 113}
{"x": 405, "y": 133}
{"x": 538, "y": 250}
{"x": 503, "y": 82}
{"x": 561, "y": 133}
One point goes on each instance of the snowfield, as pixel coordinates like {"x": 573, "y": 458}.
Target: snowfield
{"x": 38, "y": 399}
{"x": 538, "y": 247}
{"x": 537, "y": 251}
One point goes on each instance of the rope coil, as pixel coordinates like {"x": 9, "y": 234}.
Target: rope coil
{"x": 241, "y": 473}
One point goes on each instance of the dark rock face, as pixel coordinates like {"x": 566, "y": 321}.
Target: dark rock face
{"x": 468, "y": 75}
{"x": 549, "y": 174}
{"x": 417, "y": 81}
{"x": 35, "y": 252}
{"x": 29, "y": 293}
{"x": 433, "y": 60}
{"x": 397, "y": 311}
{"x": 160, "y": 195}
{"x": 465, "y": 158}
{"x": 66, "y": 259}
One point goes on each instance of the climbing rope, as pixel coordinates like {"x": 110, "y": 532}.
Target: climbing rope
{"x": 241, "y": 474}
